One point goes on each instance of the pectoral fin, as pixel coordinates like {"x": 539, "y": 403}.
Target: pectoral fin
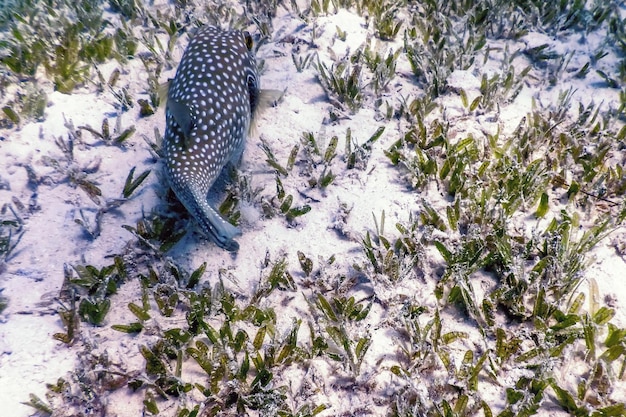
{"x": 162, "y": 92}
{"x": 264, "y": 100}
{"x": 183, "y": 117}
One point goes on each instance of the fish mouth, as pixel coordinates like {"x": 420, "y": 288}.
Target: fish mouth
{"x": 219, "y": 231}
{"x": 212, "y": 224}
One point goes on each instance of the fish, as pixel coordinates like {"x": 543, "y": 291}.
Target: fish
{"x": 211, "y": 102}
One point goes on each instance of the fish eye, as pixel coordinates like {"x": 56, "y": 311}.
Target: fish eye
{"x": 249, "y": 41}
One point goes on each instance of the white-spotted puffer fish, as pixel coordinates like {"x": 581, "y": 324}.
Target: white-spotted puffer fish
{"x": 211, "y": 103}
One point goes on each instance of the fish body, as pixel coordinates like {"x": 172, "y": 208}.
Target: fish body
{"x": 211, "y": 102}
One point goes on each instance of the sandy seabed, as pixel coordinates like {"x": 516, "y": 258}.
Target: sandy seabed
{"x": 32, "y": 277}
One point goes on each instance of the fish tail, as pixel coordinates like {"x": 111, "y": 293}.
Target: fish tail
{"x": 221, "y": 232}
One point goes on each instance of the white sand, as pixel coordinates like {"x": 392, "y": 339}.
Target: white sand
{"x": 30, "y": 357}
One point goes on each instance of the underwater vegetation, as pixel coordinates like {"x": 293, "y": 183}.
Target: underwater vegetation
{"x": 493, "y": 250}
